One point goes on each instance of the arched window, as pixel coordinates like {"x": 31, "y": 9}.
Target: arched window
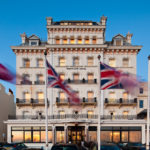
{"x": 87, "y": 41}
{"x": 94, "y": 40}
{"x": 112, "y": 62}
{"x": 65, "y": 40}
{"x": 72, "y": 40}
{"x": 112, "y": 97}
{"x": 57, "y": 40}
{"x": 90, "y": 77}
{"x": 26, "y": 63}
{"x": 62, "y": 61}
{"x": 62, "y": 76}
{"x": 79, "y": 40}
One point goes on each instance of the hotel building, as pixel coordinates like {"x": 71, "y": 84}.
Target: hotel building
{"x": 73, "y": 48}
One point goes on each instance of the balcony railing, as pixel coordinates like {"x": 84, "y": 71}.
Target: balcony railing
{"x": 120, "y": 102}
{"x": 32, "y": 102}
{"x": 77, "y": 117}
{"x": 26, "y": 82}
{"x": 83, "y": 81}
{"x": 39, "y": 82}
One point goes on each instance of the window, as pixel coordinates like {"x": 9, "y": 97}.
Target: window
{"x": 90, "y": 95}
{"x": 112, "y": 114}
{"x": 90, "y": 61}
{"x": 112, "y": 62}
{"x": 40, "y": 77}
{"x": 62, "y": 95}
{"x": 125, "y": 114}
{"x": 39, "y": 62}
{"x": 76, "y": 77}
{"x": 72, "y": 40}
{"x": 125, "y": 62}
{"x": 27, "y": 96}
{"x": 118, "y": 42}
{"x": 87, "y": 41}
{"x": 62, "y": 76}
{"x": 125, "y": 96}
{"x": 62, "y": 61}
{"x": 141, "y": 104}
{"x": 40, "y": 96}
{"x": 90, "y": 114}
{"x": 76, "y": 61}
{"x": 61, "y": 112}
{"x": 90, "y": 77}
{"x": 26, "y": 63}
{"x": 112, "y": 97}
{"x": 34, "y": 43}
{"x": 94, "y": 41}
{"x": 79, "y": 40}
{"x": 57, "y": 40}
{"x": 135, "y": 136}
{"x": 141, "y": 90}
{"x": 65, "y": 40}
{"x": 26, "y": 77}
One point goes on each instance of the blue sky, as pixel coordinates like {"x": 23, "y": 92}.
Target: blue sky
{"x": 18, "y": 16}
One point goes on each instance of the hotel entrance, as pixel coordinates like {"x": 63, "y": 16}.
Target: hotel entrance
{"x": 76, "y": 134}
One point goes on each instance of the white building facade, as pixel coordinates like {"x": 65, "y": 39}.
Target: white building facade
{"x": 73, "y": 48}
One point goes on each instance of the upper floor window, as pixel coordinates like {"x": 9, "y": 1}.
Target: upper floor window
{"x": 65, "y": 40}
{"x": 57, "y": 40}
{"x": 62, "y": 95}
{"x": 76, "y": 61}
{"x": 125, "y": 113}
{"x": 141, "y": 90}
{"x": 40, "y": 77}
{"x": 62, "y": 61}
{"x": 94, "y": 40}
{"x": 112, "y": 96}
{"x": 75, "y": 76}
{"x": 39, "y": 62}
{"x": 141, "y": 103}
{"x": 125, "y": 62}
{"x": 125, "y": 95}
{"x": 90, "y": 113}
{"x": 87, "y": 41}
{"x": 90, "y": 61}
{"x": 90, "y": 94}
{"x": 26, "y": 77}
{"x": 33, "y": 43}
{"x": 26, "y": 96}
{"x": 62, "y": 76}
{"x": 61, "y": 112}
{"x": 40, "y": 95}
{"x": 112, "y": 62}
{"x": 72, "y": 40}
{"x": 26, "y": 63}
{"x": 118, "y": 42}
{"x": 90, "y": 77}
{"x": 79, "y": 40}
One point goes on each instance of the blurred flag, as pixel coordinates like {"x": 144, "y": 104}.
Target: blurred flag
{"x": 7, "y": 75}
{"x": 55, "y": 81}
{"x": 112, "y": 78}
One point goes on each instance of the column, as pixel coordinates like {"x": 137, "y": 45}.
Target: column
{"x": 143, "y": 134}
{"x": 66, "y": 133}
{"x": 86, "y": 133}
{"x": 53, "y": 135}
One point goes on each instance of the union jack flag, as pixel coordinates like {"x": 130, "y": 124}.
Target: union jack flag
{"x": 55, "y": 81}
{"x": 110, "y": 77}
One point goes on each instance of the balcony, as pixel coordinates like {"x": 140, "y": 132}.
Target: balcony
{"x": 83, "y": 81}
{"x": 26, "y": 82}
{"x": 120, "y": 102}
{"x": 60, "y": 102}
{"x": 89, "y": 101}
{"x": 30, "y": 102}
{"x": 39, "y": 82}
{"x": 76, "y": 117}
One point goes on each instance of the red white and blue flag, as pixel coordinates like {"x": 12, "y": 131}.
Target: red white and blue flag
{"x": 55, "y": 81}
{"x": 112, "y": 78}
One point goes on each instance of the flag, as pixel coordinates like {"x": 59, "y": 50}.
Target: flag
{"x": 7, "y": 75}
{"x": 112, "y": 78}
{"x": 54, "y": 81}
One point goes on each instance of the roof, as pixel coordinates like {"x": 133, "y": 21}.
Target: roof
{"x": 33, "y": 37}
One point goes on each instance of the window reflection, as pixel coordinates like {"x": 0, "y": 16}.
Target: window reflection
{"x": 60, "y": 136}
{"x": 28, "y": 136}
{"x": 17, "y": 136}
{"x": 36, "y": 136}
{"x": 92, "y": 135}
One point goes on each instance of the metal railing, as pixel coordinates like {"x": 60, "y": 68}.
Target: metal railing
{"x": 121, "y": 101}
{"x": 39, "y": 82}
{"x": 83, "y": 81}
{"x": 76, "y": 116}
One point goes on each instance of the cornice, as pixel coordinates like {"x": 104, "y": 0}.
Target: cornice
{"x": 125, "y": 47}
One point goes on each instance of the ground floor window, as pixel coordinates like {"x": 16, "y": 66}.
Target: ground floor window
{"x": 30, "y": 134}
{"x": 60, "y": 135}
{"x": 135, "y": 136}
{"x": 92, "y": 133}
{"x": 106, "y": 136}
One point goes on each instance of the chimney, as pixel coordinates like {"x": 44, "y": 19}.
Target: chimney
{"x": 49, "y": 20}
{"x": 128, "y": 37}
{"x": 103, "y": 20}
{"x": 23, "y": 38}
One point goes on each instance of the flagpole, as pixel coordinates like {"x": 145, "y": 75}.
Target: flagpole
{"x": 148, "y": 101}
{"x": 99, "y": 107}
{"x": 46, "y": 110}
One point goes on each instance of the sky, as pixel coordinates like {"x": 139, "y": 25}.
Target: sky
{"x": 29, "y": 16}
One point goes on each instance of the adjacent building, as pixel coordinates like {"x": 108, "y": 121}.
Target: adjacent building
{"x": 73, "y": 48}
{"x": 7, "y": 107}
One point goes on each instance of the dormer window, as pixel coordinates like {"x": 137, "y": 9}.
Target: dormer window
{"x": 34, "y": 40}
{"x": 118, "y": 42}
{"x": 34, "y": 43}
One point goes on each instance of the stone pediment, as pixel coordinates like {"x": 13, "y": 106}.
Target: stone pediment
{"x": 34, "y": 37}
{"x": 118, "y": 36}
